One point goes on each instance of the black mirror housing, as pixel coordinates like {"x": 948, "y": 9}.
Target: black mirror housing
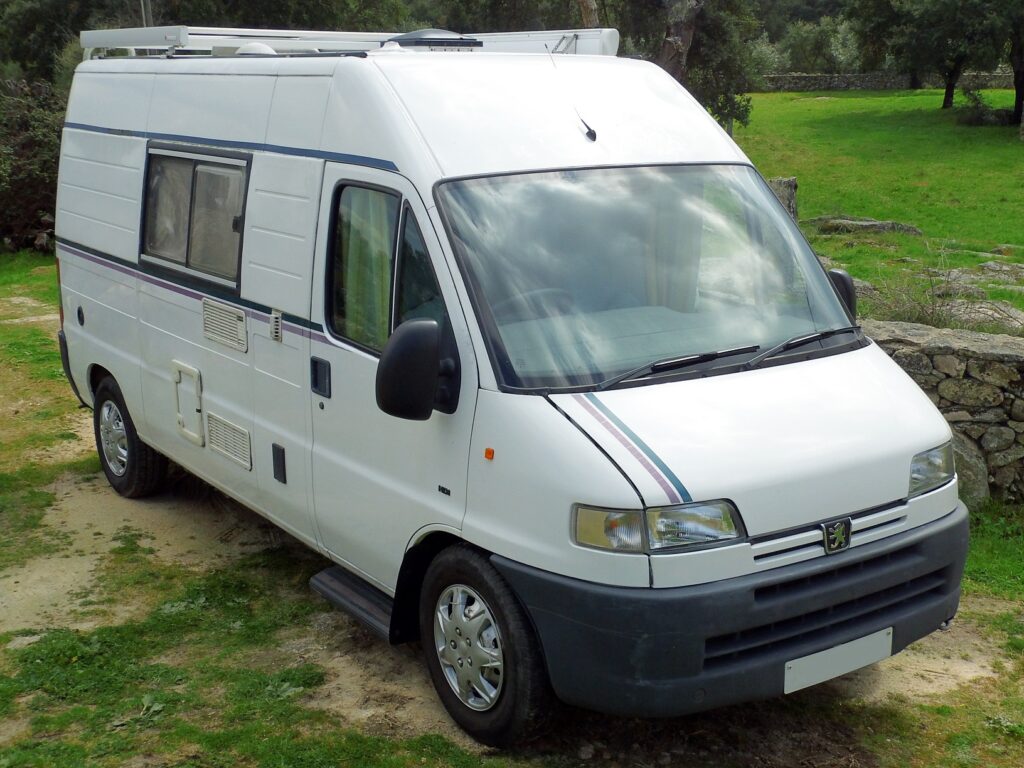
{"x": 411, "y": 374}
{"x": 843, "y": 284}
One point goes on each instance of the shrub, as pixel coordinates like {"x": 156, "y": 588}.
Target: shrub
{"x": 31, "y": 117}
{"x": 977, "y": 111}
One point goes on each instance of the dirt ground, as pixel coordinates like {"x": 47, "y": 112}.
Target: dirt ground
{"x": 370, "y": 685}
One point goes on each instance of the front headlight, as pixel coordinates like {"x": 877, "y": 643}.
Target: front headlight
{"x": 708, "y": 522}
{"x": 622, "y": 530}
{"x": 930, "y": 469}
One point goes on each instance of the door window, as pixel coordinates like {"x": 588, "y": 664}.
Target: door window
{"x": 417, "y": 293}
{"x": 364, "y": 240}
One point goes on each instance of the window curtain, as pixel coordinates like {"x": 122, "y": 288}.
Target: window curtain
{"x": 367, "y": 239}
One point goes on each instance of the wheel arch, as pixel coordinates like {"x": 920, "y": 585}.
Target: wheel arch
{"x": 97, "y": 373}
{"x": 405, "y": 609}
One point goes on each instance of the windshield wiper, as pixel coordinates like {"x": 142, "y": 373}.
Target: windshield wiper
{"x": 796, "y": 341}
{"x": 672, "y": 364}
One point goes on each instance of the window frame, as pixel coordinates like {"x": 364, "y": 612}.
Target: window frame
{"x": 198, "y": 156}
{"x": 404, "y": 216}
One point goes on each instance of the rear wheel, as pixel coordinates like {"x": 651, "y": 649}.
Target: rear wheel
{"x": 132, "y": 468}
{"x": 480, "y": 649}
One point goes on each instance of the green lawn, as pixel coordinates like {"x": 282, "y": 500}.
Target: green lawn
{"x": 896, "y": 156}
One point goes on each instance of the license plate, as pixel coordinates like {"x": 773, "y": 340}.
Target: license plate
{"x": 824, "y": 665}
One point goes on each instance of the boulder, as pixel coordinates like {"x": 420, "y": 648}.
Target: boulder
{"x": 971, "y": 470}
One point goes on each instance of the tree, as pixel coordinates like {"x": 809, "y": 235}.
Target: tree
{"x": 1014, "y": 18}
{"x": 942, "y": 36}
{"x": 588, "y": 10}
{"x": 680, "y": 28}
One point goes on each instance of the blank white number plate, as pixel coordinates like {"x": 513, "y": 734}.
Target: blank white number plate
{"x": 824, "y": 665}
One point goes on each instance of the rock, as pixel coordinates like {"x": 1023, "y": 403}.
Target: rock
{"x": 954, "y": 417}
{"x": 949, "y": 365}
{"x": 586, "y": 752}
{"x": 912, "y": 362}
{"x": 785, "y": 189}
{"x": 971, "y": 470}
{"x": 23, "y": 641}
{"x": 832, "y": 225}
{"x": 864, "y": 288}
{"x": 1017, "y": 411}
{"x": 973, "y": 430}
{"x": 1016, "y": 426}
{"x": 946, "y": 341}
{"x": 997, "y": 374}
{"x": 1000, "y": 313}
{"x": 1002, "y": 458}
{"x": 998, "y": 438}
{"x": 968, "y": 392}
{"x": 956, "y": 290}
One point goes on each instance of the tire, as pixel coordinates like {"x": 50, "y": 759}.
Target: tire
{"x": 495, "y": 708}
{"x": 132, "y": 468}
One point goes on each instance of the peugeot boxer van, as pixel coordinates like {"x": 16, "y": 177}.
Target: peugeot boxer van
{"x": 513, "y": 333}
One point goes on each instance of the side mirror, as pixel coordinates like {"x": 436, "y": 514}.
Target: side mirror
{"x": 411, "y": 376}
{"x": 843, "y": 284}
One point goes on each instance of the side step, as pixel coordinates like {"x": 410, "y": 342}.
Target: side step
{"x": 363, "y": 601}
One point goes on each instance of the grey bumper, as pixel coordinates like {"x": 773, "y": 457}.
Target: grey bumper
{"x": 667, "y": 652}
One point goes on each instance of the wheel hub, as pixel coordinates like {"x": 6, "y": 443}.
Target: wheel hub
{"x": 113, "y": 438}
{"x": 469, "y": 647}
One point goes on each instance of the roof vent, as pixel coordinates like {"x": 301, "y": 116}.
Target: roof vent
{"x": 436, "y": 40}
{"x": 256, "y": 49}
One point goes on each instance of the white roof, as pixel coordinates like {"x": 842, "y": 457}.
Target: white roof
{"x": 430, "y": 115}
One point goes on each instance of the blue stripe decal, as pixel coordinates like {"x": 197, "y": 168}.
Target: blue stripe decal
{"x": 669, "y": 474}
{"x": 337, "y": 157}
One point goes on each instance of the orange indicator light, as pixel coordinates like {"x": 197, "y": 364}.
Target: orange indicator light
{"x": 489, "y": 454}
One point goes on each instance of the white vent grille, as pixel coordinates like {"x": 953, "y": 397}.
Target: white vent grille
{"x": 229, "y": 440}
{"x": 275, "y": 325}
{"x": 225, "y": 324}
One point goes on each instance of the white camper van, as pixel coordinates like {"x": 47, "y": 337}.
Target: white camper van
{"x": 514, "y": 334}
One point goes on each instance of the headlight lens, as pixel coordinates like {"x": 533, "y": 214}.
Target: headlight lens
{"x": 707, "y": 522}
{"x": 620, "y": 530}
{"x": 930, "y": 469}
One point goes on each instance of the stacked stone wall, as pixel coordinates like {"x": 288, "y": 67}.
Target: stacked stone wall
{"x": 876, "y": 81}
{"x": 977, "y": 381}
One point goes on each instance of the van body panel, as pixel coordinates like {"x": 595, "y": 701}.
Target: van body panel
{"x": 640, "y": 114}
{"x": 806, "y": 448}
{"x": 280, "y": 231}
{"x": 99, "y": 191}
{"x": 520, "y": 503}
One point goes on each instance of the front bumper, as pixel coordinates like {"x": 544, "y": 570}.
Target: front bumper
{"x": 668, "y": 652}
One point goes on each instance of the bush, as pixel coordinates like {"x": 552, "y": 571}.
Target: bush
{"x": 977, "y": 111}
{"x": 31, "y": 117}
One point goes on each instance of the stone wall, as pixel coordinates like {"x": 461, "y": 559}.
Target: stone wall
{"x": 877, "y": 81}
{"x": 977, "y": 382}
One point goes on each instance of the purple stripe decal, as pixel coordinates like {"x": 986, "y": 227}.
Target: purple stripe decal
{"x": 635, "y": 452}
{"x": 298, "y": 330}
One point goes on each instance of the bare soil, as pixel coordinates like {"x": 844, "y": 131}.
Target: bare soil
{"x": 386, "y": 691}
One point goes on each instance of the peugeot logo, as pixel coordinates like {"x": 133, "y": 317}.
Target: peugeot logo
{"x": 837, "y": 535}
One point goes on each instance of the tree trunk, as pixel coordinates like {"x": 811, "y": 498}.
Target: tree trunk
{"x": 1017, "y": 62}
{"x": 588, "y": 9}
{"x": 680, "y": 27}
{"x": 947, "y": 99}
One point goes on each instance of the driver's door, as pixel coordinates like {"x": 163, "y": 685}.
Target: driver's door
{"x": 378, "y": 479}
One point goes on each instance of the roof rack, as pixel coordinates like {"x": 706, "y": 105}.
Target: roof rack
{"x": 215, "y": 41}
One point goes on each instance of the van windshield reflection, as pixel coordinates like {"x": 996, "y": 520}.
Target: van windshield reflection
{"x": 580, "y": 276}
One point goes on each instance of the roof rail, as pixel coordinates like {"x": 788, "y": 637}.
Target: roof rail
{"x": 216, "y": 41}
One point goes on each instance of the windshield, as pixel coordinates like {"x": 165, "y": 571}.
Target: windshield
{"x": 580, "y": 275}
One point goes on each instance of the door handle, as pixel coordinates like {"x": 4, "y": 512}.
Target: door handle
{"x": 320, "y": 377}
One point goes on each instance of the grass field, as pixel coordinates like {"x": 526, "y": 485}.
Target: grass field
{"x": 896, "y": 156}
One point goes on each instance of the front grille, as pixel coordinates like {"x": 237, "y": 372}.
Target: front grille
{"x": 868, "y": 610}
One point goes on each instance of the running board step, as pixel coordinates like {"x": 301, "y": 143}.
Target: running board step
{"x": 355, "y": 596}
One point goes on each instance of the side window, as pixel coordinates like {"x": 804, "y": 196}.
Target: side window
{"x": 194, "y": 212}
{"x": 417, "y": 293}
{"x": 360, "y": 284}
{"x": 168, "y": 196}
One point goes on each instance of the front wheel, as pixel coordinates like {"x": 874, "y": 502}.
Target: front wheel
{"x": 480, "y": 649}
{"x": 132, "y": 468}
